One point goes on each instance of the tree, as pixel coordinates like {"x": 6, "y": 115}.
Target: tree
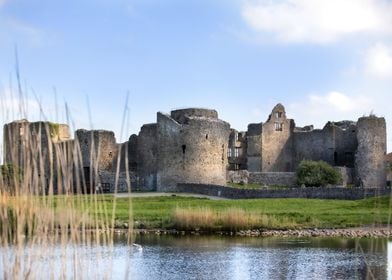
{"x": 317, "y": 174}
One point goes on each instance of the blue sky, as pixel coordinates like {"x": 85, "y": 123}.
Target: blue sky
{"x": 324, "y": 60}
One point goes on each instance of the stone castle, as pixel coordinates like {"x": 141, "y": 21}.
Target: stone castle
{"x": 194, "y": 146}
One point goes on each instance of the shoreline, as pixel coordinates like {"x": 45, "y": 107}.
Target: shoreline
{"x": 365, "y": 232}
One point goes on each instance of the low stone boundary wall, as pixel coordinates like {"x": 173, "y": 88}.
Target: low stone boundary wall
{"x": 273, "y": 178}
{"x": 263, "y": 178}
{"x": 317, "y": 193}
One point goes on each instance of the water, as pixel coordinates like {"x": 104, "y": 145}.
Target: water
{"x": 191, "y": 257}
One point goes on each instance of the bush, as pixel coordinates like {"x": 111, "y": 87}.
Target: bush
{"x": 317, "y": 174}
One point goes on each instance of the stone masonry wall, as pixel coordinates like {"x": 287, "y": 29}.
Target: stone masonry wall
{"x": 194, "y": 151}
{"x": 107, "y": 181}
{"x": 273, "y": 178}
{"x": 254, "y": 144}
{"x": 147, "y": 157}
{"x": 370, "y": 157}
{"x": 314, "y": 193}
{"x": 277, "y": 144}
{"x": 238, "y": 177}
{"x": 98, "y": 148}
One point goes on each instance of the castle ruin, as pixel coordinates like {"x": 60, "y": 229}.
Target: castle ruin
{"x": 194, "y": 146}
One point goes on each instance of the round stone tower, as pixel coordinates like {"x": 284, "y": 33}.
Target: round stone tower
{"x": 370, "y": 162}
{"x": 192, "y": 148}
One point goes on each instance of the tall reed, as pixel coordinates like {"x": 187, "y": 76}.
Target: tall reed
{"x": 48, "y": 211}
{"x": 232, "y": 219}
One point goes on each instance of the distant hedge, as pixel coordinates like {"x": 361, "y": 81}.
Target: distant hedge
{"x": 317, "y": 174}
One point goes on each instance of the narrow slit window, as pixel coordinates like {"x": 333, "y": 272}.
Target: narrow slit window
{"x": 183, "y": 149}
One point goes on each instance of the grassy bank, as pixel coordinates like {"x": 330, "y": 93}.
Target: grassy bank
{"x": 199, "y": 213}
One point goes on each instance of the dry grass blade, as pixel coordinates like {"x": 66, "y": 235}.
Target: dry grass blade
{"x": 45, "y": 215}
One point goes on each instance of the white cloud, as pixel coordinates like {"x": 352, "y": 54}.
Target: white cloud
{"x": 378, "y": 61}
{"x": 339, "y": 102}
{"x": 318, "y": 21}
{"x": 318, "y": 109}
{"x": 14, "y": 30}
{"x": 334, "y": 106}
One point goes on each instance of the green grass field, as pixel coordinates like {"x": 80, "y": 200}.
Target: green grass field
{"x": 162, "y": 212}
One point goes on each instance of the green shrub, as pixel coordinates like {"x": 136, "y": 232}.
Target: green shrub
{"x": 317, "y": 174}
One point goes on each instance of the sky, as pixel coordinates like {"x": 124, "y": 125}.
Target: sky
{"x": 78, "y": 60}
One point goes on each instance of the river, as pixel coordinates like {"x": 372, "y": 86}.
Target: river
{"x": 212, "y": 257}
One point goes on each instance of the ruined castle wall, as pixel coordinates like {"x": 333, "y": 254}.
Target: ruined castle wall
{"x": 15, "y": 137}
{"x": 194, "y": 151}
{"x": 67, "y": 168}
{"x": 123, "y": 154}
{"x": 277, "y": 143}
{"x": 171, "y": 156}
{"x": 253, "y": 138}
{"x": 145, "y": 150}
{"x": 109, "y": 183}
{"x": 237, "y": 148}
{"x": 346, "y": 145}
{"x": 182, "y": 115}
{"x": 370, "y": 157}
{"x": 64, "y": 133}
{"x": 314, "y": 145}
{"x": 98, "y": 148}
{"x": 32, "y": 147}
{"x": 332, "y": 144}
{"x": 132, "y": 153}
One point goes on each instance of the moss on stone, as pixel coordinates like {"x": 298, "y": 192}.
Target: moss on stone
{"x": 54, "y": 129}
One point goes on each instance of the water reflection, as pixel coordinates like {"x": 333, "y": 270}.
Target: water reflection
{"x": 389, "y": 260}
{"x": 188, "y": 257}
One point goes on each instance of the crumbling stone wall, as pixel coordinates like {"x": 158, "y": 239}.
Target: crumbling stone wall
{"x": 108, "y": 181}
{"x": 370, "y": 157}
{"x": 277, "y": 144}
{"x": 99, "y": 152}
{"x": 334, "y": 144}
{"x": 312, "y": 145}
{"x": 15, "y": 141}
{"x": 238, "y": 176}
{"x": 32, "y": 147}
{"x": 254, "y": 144}
{"x": 347, "y": 174}
{"x": 237, "y": 148}
{"x": 147, "y": 157}
{"x": 133, "y": 152}
{"x": 346, "y": 144}
{"x": 192, "y": 147}
{"x": 98, "y": 148}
